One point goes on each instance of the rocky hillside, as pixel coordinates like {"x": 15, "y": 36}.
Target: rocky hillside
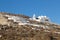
{"x": 21, "y": 27}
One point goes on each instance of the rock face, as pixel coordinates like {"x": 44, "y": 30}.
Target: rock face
{"x": 20, "y": 27}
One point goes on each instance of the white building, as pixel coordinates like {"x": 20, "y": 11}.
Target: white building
{"x": 40, "y": 18}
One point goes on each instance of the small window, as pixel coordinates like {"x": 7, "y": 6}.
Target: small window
{"x": 46, "y": 20}
{"x": 37, "y": 18}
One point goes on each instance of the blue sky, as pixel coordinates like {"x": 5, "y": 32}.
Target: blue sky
{"x": 50, "y": 8}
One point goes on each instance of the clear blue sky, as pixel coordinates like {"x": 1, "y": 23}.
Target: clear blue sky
{"x": 50, "y": 8}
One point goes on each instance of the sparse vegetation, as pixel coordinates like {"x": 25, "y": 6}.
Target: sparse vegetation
{"x": 12, "y": 31}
